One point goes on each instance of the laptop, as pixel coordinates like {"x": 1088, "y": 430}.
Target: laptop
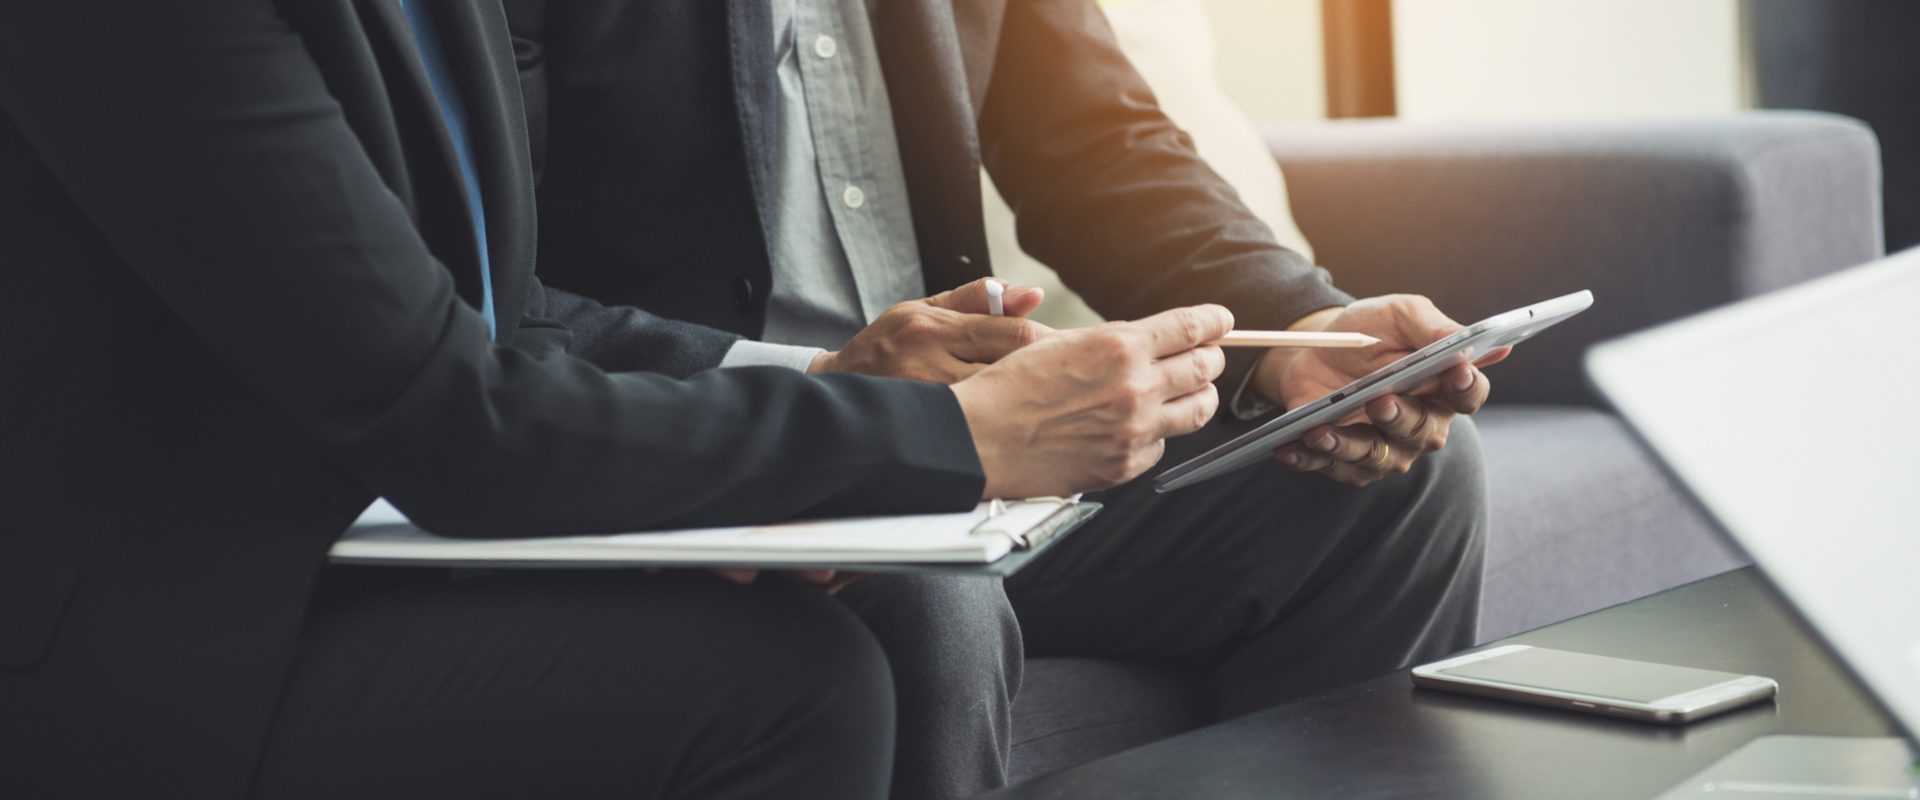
{"x": 1794, "y": 420}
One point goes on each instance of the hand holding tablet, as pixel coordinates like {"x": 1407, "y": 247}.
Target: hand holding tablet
{"x": 1412, "y": 374}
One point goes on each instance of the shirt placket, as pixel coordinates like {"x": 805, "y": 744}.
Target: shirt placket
{"x": 843, "y": 153}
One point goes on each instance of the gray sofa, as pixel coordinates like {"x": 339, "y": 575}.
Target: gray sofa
{"x": 1658, "y": 218}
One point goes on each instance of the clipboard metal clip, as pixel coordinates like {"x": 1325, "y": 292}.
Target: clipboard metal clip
{"x": 1061, "y": 519}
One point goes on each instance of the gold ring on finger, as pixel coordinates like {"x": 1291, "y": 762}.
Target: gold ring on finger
{"x": 1386, "y": 455}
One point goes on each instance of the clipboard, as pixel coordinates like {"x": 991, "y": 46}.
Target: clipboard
{"x": 1027, "y": 546}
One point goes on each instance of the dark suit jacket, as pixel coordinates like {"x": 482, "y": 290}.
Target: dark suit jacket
{"x": 655, "y": 118}
{"x": 237, "y": 305}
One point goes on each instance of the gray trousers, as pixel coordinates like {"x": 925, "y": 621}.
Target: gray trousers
{"x": 1276, "y": 584}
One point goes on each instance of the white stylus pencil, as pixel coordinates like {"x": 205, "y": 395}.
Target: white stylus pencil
{"x": 995, "y": 291}
{"x": 1294, "y": 339}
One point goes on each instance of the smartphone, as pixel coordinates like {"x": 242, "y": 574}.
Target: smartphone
{"x": 1613, "y": 687}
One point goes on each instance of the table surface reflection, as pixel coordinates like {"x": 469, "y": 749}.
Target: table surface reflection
{"x": 1382, "y": 738}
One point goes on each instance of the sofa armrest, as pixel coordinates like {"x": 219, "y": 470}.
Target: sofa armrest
{"x": 1659, "y": 218}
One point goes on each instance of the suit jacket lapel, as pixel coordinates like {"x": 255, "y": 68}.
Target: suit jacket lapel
{"x": 976, "y": 23}
{"x": 756, "y": 100}
{"x": 480, "y": 54}
{"x": 933, "y": 118}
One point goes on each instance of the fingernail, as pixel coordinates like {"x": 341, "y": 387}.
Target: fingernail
{"x": 1461, "y": 383}
{"x": 1291, "y": 459}
{"x": 1324, "y": 441}
{"x": 1392, "y": 413}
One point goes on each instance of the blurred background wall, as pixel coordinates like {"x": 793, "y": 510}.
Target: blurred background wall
{"x": 1536, "y": 59}
{"x": 1499, "y": 58}
{"x": 1859, "y": 58}
{"x": 1269, "y": 57}
{"x": 1222, "y": 66}
{"x": 1566, "y": 58}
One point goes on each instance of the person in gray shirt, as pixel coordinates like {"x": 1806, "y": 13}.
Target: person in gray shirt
{"x": 787, "y": 179}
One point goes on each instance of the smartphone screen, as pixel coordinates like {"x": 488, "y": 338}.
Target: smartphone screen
{"x": 1633, "y": 681}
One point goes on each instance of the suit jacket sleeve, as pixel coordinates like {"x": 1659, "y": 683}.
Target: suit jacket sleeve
{"x": 1107, "y": 191}
{"x": 618, "y": 338}
{"x": 200, "y": 140}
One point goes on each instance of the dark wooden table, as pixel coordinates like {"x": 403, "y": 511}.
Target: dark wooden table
{"x": 1383, "y": 738}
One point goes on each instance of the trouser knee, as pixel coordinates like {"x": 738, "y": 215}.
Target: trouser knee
{"x": 1450, "y": 493}
{"x": 961, "y": 627}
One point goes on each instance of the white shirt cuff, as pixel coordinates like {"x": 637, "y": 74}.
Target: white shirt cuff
{"x": 749, "y": 353}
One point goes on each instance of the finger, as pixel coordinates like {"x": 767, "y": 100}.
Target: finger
{"x": 988, "y": 339}
{"x": 1352, "y": 474}
{"x": 1420, "y": 322}
{"x": 1184, "y": 415}
{"x": 1437, "y": 384}
{"x": 1148, "y": 457}
{"x": 1464, "y": 389}
{"x": 1355, "y": 444}
{"x": 1433, "y": 436}
{"x": 1297, "y": 456}
{"x": 1402, "y": 419}
{"x": 1185, "y": 373}
{"x": 1020, "y": 301}
{"x": 968, "y": 298}
{"x": 1381, "y": 460}
{"x": 1425, "y": 317}
{"x": 739, "y": 575}
{"x": 1494, "y": 356}
{"x": 1182, "y": 329}
{"x": 971, "y": 298}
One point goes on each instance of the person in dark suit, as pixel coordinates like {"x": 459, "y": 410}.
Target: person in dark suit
{"x": 267, "y": 261}
{"x": 824, "y": 156}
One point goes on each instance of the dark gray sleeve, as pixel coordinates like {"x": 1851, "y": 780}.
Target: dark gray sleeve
{"x": 618, "y": 338}
{"x": 1112, "y": 195}
{"x": 202, "y": 142}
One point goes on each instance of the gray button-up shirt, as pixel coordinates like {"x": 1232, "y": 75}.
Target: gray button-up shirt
{"x": 842, "y": 232}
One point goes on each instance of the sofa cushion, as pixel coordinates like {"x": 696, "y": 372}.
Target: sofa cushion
{"x": 1659, "y": 218}
{"x": 1583, "y": 519}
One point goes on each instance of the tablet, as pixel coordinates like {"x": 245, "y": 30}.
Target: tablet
{"x": 1400, "y": 377}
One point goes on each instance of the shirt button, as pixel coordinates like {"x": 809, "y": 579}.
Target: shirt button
{"x": 743, "y": 292}
{"x": 853, "y": 197}
{"x": 825, "y": 46}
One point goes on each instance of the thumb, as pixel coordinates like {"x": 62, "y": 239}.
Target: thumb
{"x": 1020, "y": 301}
{"x": 1421, "y": 323}
{"x": 1016, "y": 301}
